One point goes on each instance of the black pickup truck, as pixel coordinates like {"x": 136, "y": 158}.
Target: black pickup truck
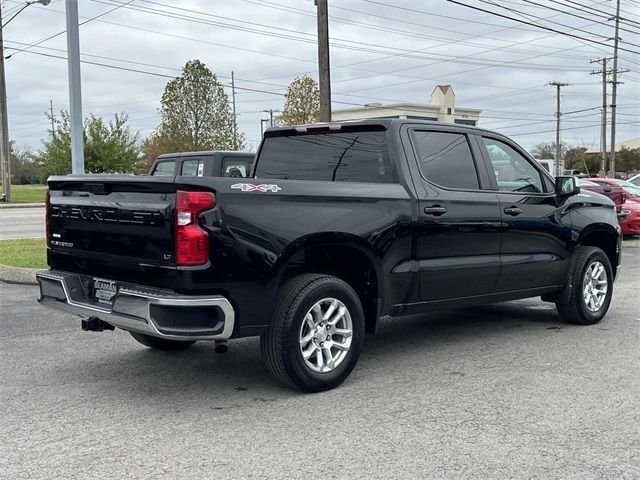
{"x": 340, "y": 225}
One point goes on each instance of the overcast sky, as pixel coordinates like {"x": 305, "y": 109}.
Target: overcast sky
{"x": 382, "y": 51}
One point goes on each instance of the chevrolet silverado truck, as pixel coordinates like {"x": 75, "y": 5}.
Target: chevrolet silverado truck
{"x": 340, "y": 224}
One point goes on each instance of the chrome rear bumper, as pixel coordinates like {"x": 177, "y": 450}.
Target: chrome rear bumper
{"x": 141, "y": 309}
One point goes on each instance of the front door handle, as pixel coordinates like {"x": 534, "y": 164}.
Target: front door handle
{"x": 435, "y": 210}
{"x": 513, "y": 211}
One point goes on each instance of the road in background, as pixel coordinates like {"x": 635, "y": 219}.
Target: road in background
{"x": 501, "y": 391}
{"x": 21, "y": 222}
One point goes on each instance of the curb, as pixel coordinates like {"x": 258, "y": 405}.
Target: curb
{"x": 19, "y": 275}
{"x": 21, "y": 205}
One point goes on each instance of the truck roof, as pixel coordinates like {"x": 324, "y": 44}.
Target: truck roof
{"x": 208, "y": 153}
{"x": 386, "y": 123}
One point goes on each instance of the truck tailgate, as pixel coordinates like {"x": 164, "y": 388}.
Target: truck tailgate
{"x": 115, "y": 227}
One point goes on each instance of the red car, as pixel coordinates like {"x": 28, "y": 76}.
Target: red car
{"x": 630, "y": 219}
{"x": 617, "y": 194}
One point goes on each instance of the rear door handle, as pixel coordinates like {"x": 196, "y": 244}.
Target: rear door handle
{"x": 513, "y": 211}
{"x": 435, "y": 210}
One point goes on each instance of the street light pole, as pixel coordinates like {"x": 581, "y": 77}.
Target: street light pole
{"x": 75, "y": 94}
{"x": 5, "y": 159}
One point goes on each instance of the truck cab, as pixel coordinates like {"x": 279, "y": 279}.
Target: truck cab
{"x": 203, "y": 164}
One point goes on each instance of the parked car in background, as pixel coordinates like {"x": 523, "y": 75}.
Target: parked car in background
{"x": 629, "y": 218}
{"x": 632, "y": 190}
{"x": 203, "y": 164}
{"x": 629, "y": 215}
{"x": 635, "y": 179}
{"x": 617, "y": 194}
{"x": 574, "y": 173}
{"x": 548, "y": 165}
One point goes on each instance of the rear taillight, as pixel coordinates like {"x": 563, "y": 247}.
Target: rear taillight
{"x": 192, "y": 242}
{"x": 47, "y": 213}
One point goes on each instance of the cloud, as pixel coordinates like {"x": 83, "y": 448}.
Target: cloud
{"x": 379, "y": 53}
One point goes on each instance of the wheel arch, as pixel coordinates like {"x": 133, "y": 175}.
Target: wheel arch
{"x": 605, "y": 237}
{"x": 342, "y": 255}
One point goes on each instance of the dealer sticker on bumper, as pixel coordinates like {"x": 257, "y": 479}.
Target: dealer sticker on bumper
{"x": 104, "y": 290}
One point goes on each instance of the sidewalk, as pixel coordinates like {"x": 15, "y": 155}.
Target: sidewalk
{"x": 21, "y": 275}
{"x": 21, "y": 205}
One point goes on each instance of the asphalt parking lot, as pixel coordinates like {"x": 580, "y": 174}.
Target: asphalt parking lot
{"x": 502, "y": 391}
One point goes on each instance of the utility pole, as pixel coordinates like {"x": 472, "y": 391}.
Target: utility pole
{"x": 558, "y": 86}
{"x": 614, "y": 91}
{"x": 235, "y": 119}
{"x": 5, "y": 156}
{"x": 262, "y": 122}
{"x": 323, "y": 60}
{"x": 75, "y": 94}
{"x": 53, "y": 126}
{"x": 271, "y": 111}
{"x": 4, "y": 128}
{"x": 603, "y": 121}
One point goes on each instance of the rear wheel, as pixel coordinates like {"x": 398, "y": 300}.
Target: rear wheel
{"x": 592, "y": 281}
{"x": 316, "y": 333}
{"x": 161, "y": 343}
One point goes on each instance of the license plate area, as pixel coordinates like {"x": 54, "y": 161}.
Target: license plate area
{"x": 104, "y": 291}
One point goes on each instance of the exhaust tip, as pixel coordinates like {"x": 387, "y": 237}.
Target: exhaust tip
{"x": 221, "y": 346}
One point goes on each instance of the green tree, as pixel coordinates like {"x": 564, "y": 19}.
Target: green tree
{"x": 109, "y": 147}
{"x": 575, "y": 159}
{"x": 628, "y": 160}
{"x": 196, "y": 114}
{"x": 547, "y": 150}
{"x": 302, "y": 104}
{"x": 24, "y": 169}
{"x": 150, "y": 152}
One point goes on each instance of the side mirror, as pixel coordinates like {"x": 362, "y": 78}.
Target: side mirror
{"x": 567, "y": 186}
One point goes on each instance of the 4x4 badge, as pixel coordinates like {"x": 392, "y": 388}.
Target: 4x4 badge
{"x": 262, "y": 187}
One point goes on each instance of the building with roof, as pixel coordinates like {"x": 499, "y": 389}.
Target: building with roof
{"x": 441, "y": 108}
{"x": 631, "y": 144}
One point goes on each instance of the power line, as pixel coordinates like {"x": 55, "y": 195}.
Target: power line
{"x": 571, "y": 128}
{"x": 64, "y": 31}
{"x": 576, "y": 15}
{"x": 603, "y": 13}
{"x": 539, "y": 26}
{"x": 529, "y": 16}
{"x": 348, "y": 44}
{"x": 388, "y": 29}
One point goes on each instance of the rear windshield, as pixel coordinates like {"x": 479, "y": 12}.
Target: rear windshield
{"x": 340, "y": 157}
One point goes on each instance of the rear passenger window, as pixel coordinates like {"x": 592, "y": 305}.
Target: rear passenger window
{"x": 165, "y": 169}
{"x": 445, "y": 159}
{"x": 192, "y": 168}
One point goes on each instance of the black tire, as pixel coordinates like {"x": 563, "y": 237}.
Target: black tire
{"x": 161, "y": 343}
{"x": 280, "y": 346}
{"x": 576, "y": 311}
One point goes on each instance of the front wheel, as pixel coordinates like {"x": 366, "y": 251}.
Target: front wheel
{"x": 316, "y": 333}
{"x": 592, "y": 281}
